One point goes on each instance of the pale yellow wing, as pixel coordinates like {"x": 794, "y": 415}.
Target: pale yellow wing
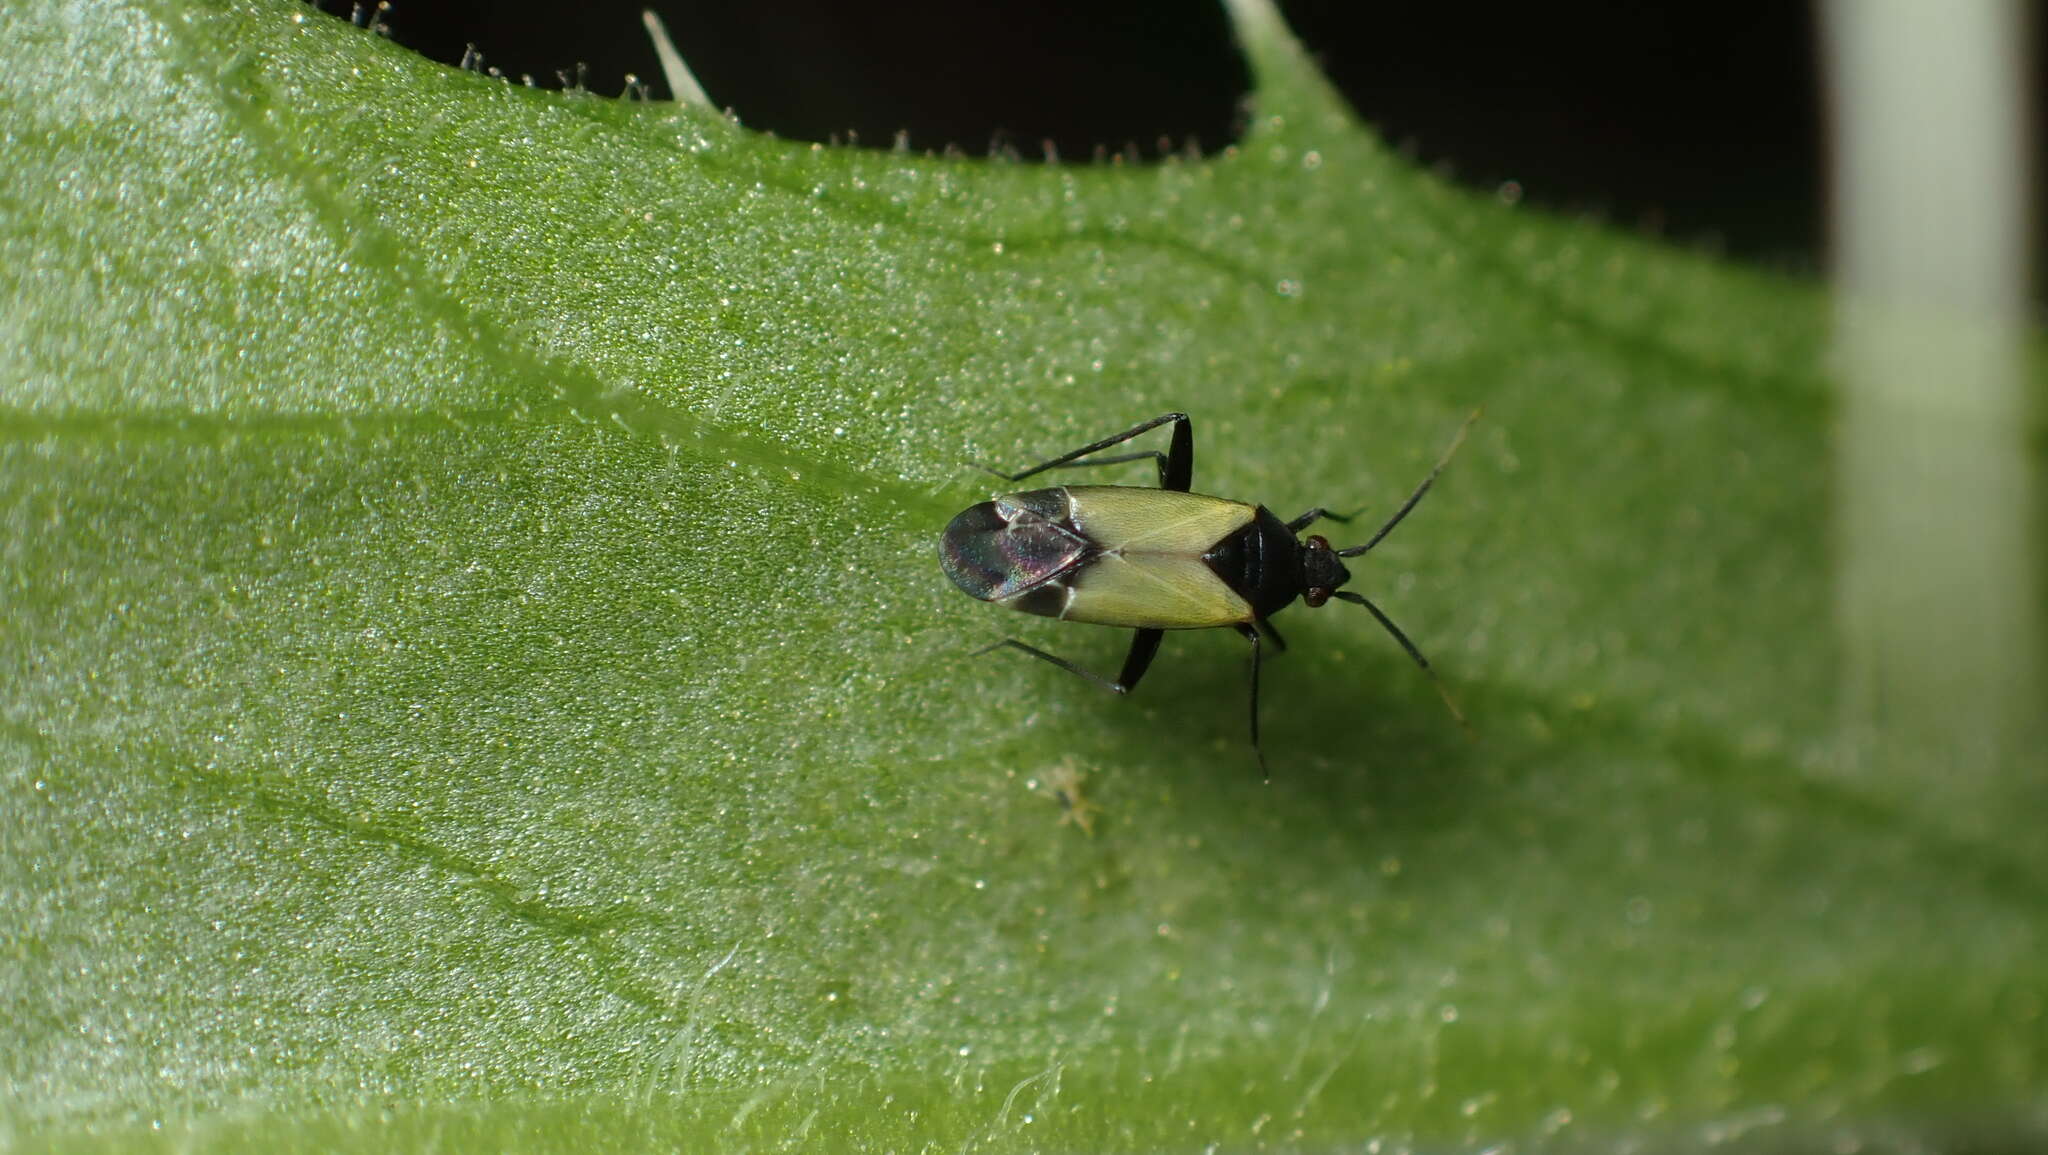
{"x": 1160, "y": 591}
{"x": 1147, "y": 520}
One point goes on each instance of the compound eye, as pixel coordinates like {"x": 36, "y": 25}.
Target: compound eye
{"x": 1315, "y": 596}
{"x": 1318, "y": 541}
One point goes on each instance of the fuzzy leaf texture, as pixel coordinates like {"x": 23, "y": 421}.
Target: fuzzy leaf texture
{"x": 476, "y": 669}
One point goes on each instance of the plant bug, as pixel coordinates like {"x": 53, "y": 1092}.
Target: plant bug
{"x": 1160, "y": 559}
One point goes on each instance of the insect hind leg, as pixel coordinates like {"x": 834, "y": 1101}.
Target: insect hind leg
{"x": 1143, "y": 647}
{"x": 1117, "y": 459}
{"x": 1176, "y": 465}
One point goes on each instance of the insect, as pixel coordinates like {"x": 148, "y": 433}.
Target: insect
{"x": 1154, "y": 560}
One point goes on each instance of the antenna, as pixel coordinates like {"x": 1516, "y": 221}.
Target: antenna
{"x": 1402, "y": 512}
{"x": 1384, "y": 620}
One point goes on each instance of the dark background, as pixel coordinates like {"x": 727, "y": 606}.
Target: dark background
{"x": 1701, "y": 123}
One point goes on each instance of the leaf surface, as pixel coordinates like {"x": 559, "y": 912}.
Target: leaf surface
{"x": 476, "y": 668}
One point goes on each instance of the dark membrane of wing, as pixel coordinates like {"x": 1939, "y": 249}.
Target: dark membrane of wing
{"x": 1001, "y": 548}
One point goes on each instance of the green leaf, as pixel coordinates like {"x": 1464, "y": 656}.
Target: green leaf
{"x": 477, "y": 673}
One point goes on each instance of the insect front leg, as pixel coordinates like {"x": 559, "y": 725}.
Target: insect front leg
{"x": 1310, "y": 518}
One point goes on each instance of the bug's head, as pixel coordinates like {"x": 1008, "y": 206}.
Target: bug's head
{"x": 1322, "y": 571}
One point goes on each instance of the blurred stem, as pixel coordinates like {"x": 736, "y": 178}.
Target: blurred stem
{"x": 1938, "y": 592}
{"x": 682, "y": 83}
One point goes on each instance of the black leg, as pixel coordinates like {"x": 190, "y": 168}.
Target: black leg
{"x": 1176, "y": 466}
{"x": 1117, "y": 459}
{"x": 1143, "y": 647}
{"x": 1265, "y": 627}
{"x": 1388, "y": 623}
{"x": 1251, "y": 634}
{"x": 1177, "y": 472}
{"x": 1309, "y": 518}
